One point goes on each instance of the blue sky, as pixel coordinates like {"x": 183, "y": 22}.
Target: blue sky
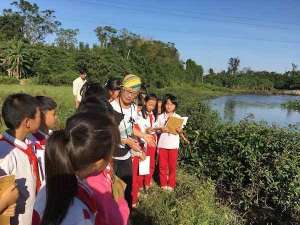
{"x": 264, "y": 34}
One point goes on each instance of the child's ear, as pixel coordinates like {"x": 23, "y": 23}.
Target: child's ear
{"x": 26, "y": 123}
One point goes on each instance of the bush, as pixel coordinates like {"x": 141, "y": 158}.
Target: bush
{"x": 193, "y": 202}
{"x": 256, "y": 168}
{"x": 60, "y": 79}
{"x": 8, "y": 80}
{"x": 292, "y": 105}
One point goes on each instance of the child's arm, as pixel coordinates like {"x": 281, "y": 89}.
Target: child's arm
{"x": 147, "y": 137}
{"x": 7, "y": 201}
{"x": 182, "y": 135}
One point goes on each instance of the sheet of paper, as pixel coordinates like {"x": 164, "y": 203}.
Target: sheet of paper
{"x": 144, "y": 166}
{"x": 185, "y": 119}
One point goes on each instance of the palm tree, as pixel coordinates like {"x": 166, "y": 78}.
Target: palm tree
{"x": 15, "y": 59}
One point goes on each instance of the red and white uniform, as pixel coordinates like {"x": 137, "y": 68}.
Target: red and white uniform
{"x": 82, "y": 210}
{"x": 39, "y": 141}
{"x": 168, "y": 146}
{"x": 17, "y": 158}
{"x": 143, "y": 123}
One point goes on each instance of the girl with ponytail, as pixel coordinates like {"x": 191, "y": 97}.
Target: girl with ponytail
{"x": 84, "y": 148}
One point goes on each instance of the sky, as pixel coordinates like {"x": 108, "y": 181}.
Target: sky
{"x": 264, "y": 34}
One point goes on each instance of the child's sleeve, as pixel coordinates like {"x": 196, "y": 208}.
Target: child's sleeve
{"x": 8, "y": 164}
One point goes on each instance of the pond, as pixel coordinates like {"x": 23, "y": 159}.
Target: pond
{"x": 256, "y": 107}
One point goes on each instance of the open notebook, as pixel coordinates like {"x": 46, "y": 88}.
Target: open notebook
{"x": 174, "y": 123}
{"x": 6, "y": 182}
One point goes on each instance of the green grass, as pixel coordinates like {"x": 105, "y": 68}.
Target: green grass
{"x": 193, "y": 202}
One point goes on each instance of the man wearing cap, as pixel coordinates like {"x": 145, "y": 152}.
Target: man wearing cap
{"x": 77, "y": 85}
{"x": 124, "y": 104}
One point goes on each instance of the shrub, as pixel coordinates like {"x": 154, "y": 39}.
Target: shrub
{"x": 193, "y": 202}
{"x": 59, "y": 79}
{"x": 8, "y": 80}
{"x": 256, "y": 168}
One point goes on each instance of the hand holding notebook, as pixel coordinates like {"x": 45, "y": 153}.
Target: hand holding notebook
{"x": 175, "y": 123}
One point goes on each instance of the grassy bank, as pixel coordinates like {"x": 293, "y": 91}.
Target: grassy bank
{"x": 193, "y": 202}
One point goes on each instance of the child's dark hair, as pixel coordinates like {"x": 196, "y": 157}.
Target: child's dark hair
{"x": 16, "y": 108}
{"x": 113, "y": 84}
{"x": 87, "y": 138}
{"x": 144, "y": 109}
{"x": 82, "y": 71}
{"x": 97, "y": 104}
{"x": 93, "y": 89}
{"x": 172, "y": 98}
{"x": 46, "y": 103}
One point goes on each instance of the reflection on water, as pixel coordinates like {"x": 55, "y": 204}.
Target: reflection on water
{"x": 256, "y": 107}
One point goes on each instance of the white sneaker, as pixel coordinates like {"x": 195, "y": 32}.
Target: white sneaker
{"x": 170, "y": 188}
{"x": 165, "y": 188}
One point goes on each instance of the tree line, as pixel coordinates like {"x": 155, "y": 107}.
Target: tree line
{"x": 24, "y": 52}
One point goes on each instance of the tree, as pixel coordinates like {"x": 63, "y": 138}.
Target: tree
{"x": 194, "y": 71}
{"x": 233, "y": 65}
{"x": 37, "y": 24}
{"x": 211, "y": 71}
{"x": 15, "y": 59}
{"x": 294, "y": 69}
{"x": 66, "y": 38}
{"x": 105, "y": 35}
{"x": 11, "y": 25}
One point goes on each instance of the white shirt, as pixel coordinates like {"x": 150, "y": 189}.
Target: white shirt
{"x": 166, "y": 140}
{"x": 145, "y": 123}
{"x": 125, "y": 126}
{"x": 40, "y": 152}
{"x": 13, "y": 161}
{"x": 78, "y": 212}
{"x": 77, "y": 85}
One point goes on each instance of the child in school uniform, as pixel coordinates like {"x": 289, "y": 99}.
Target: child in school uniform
{"x": 21, "y": 115}
{"x": 148, "y": 123}
{"x": 84, "y": 148}
{"x": 47, "y": 107}
{"x": 168, "y": 145}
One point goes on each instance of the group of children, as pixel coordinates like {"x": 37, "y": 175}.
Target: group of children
{"x": 72, "y": 176}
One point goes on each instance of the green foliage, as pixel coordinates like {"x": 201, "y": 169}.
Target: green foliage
{"x": 14, "y": 58}
{"x": 256, "y": 168}
{"x": 194, "y": 71}
{"x": 37, "y": 24}
{"x": 293, "y": 105}
{"x": 11, "y": 24}
{"x": 65, "y": 78}
{"x": 261, "y": 80}
{"x": 192, "y": 203}
{"x": 8, "y": 80}
{"x": 66, "y": 38}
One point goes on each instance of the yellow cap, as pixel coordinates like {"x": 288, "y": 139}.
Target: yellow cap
{"x": 132, "y": 81}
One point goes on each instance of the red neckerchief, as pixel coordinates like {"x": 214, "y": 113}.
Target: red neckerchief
{"x": 32, "y": 159}
{"x": 84, "y": 196}
{"x": 151, "y": 119}
{"x": 40, "y": 137}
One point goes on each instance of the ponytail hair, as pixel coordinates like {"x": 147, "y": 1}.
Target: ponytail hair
{"x": 87, "y": 138}
{"x": 61, "y": 181}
